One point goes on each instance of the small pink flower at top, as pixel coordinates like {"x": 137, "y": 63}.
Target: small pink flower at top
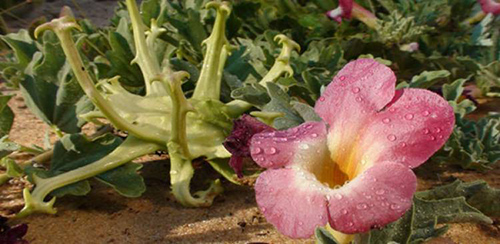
{"x": 348, "y": 9}
{"x": 490, "y": 6}
{"x": 353, "y": 170}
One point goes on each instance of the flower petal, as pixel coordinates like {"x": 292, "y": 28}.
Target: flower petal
{"x": 280, "y": 148}
{"x": 410, "y": 129}
{"x": 292, "y": 200}
{"x": 378, "y": 196}
{"x": 490, "y": 6}
{"x": 344, "y": 10}
{"x": 358, "y": 91}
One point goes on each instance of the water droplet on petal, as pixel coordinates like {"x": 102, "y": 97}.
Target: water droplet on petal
{"x": 386, "y": 121}
{"x": 391, "y": 137}
{"x": 403, "y": 144}
{"x": 359, "y": 99}
{"x": 322, "y": 99}
{"x": 395, "y": 206}
{"x": 380, "y": 192}
{"x": 263, "y": 209}
{"x": 426, "y": 131}
{"x": 409, "y": 116}
{"x": 270, "y": 150}
{"x": 362, "y": 206}
{"x": 338, "y": 196}
{"x": 343, "y": 211}
{"x": 314, "y": 135}
{"x": 256, "y": 150}
{"x": 301, "y": 223}
{"x": 432, "y": 138}
{"x": 351, "y": 224}
{"x": 438, "y": 129}
{"x": 356, "y": 90}
{"x": 426, "y": 113}
{"x": 342, "y": 78}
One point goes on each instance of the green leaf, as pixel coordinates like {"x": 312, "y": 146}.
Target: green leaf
{"x": 120, "y": 57}
{"x": 306, "y": 112}
{"x": 75, "y": 151}
{"x": 456, "y": 202}
{"x": 324, "y": 237}
{"x": 280, "y": 103}
{"x": 453, "y": 91}
{"x": 472, "y": 145}
{"x": 221, "y": 165}
{"x": 23, "y": 46}
{"x": 6, "y": 115}
{"x": 428, "y": 78}
{"x": 478, "y": 194}
{"x": 150, "y": 9}
{"x": 49, "y": 89}
{"x": 125, "y": 180}
{"x": 7, "y": 147}
{"x": 252, "y": 93}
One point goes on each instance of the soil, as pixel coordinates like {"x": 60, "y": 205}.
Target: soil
{"x": 103, "y": 216}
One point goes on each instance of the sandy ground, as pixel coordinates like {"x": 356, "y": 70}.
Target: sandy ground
{"x": 106, "y": 217}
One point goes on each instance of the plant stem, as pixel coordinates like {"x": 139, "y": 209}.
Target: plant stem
{"x": 209, "y": 83}
{"x": 130, "y": 149}
{"x": 62, "y": 27}
{"x": 181, "y": 168}
{"x": 281, "y": 66}
{"x": 144, "y": 53}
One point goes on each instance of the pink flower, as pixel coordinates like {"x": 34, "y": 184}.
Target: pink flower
{"x": 353, "y": 169}
{"x": 490, "y": 6}
{"x": 348, "y": 9}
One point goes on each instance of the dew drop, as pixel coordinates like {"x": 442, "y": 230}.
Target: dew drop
{"x": 392, "y": 110}
{"x": 304, "y": 146}
{"x": 359, "y": 99}
{"x": 395, "y": 206}
{"x": 263, "y": 209}
{"x": 301, "y": 223}
{"x": 342, "y": 78}
{"x": 362, "y": 206}
{"x": 426, "y": 131}
{"x": 344, "y": 211}
{"x": 256, "y": 150}
{"x": 426, "y": 113}
{"x": 338, "y": 196}
{"x": 438, "y": 129}
{"x": 314, "y": 135}
{"x": 409, "y": 116}
{"x": 270, "y": 151}
{"x": 386, "y": 120}
{"x": 351, "y": 224}
{"x": 432, "y": 138}
{"x": 356, "y": 90}
{"x": 380, "y": 192}
{"x": 322, "y": 99}
{"x": 309, "y": 126}
{"x": 391, "y": 137}
{"x": 403, "y": 144}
